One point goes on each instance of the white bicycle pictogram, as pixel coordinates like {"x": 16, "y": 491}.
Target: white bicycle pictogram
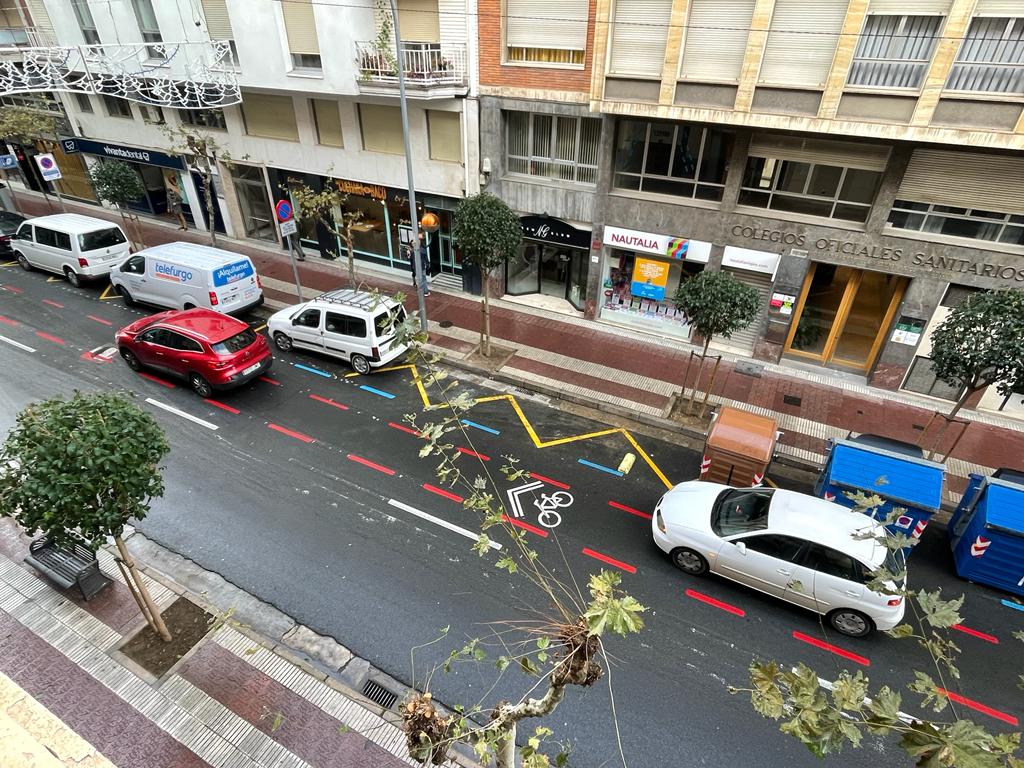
{"x": 547, "y": 504}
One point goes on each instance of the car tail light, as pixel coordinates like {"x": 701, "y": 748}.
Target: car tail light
{"x": 259, "y": 283}
{"x": 5, "y": 238}
{"x": 83, "y": 262}
{"x": 220, "y": 365}
{"x": 661, "y": 522}
{"x": 894, "y": 601}
{"x": 375, "y": 353}
{"x": 213, "y": 298}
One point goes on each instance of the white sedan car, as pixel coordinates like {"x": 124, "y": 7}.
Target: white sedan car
{"x": 807, "y": 551}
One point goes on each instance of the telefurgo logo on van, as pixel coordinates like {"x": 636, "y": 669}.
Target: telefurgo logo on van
{"x": 171, "y": 272}
{"x": 232, "y": 273}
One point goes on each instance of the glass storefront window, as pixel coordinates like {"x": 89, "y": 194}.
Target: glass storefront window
{"x": 257, "y": 216}
{"x": 550, "y": 270}
{"x": 619, "y": 305}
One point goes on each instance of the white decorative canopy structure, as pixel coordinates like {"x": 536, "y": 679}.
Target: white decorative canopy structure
{"x": 198, "y": 75}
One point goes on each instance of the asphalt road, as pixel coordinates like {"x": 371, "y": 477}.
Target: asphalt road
{"x": 306, "y": 490}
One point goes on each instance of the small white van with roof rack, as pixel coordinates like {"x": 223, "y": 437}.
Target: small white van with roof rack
{"x": 356, "y": 326}
{"x": 78, "y": 247}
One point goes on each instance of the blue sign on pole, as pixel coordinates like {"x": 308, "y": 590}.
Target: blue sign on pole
{"x": 7, "y": 162}
{"x": 283, "y": 209}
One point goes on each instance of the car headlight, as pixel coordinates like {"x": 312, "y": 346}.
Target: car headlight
{"x": 660, "y": 521}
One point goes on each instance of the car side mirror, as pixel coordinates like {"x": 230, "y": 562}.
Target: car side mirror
{"x": 741, "y": 547}
{"x": 295, "y": 321}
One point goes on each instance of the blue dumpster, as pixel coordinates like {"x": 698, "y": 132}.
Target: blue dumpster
{"x": 987, "y": 531}
{"x": 894, "y": 470}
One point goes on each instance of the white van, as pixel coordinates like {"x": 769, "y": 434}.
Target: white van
{"x": 186, "y": 275}
{"x": 78, "y": 247}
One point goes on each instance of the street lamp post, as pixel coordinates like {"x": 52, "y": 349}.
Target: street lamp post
{"x": 413, "y": 217}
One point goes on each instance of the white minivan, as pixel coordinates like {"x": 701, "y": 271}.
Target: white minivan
{"x": 186, "y": 275}
{"x": 78, "y": 247}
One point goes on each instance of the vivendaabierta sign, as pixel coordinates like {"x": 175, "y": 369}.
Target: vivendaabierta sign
{"x": 119, "y": 152}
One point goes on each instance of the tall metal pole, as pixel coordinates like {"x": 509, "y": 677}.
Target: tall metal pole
{"x": 295, "y": 266}
{"x": 413, "y": 218}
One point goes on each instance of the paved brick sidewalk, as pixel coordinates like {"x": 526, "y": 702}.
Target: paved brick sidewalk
{"x": 612, "y": 368}
{"x": 67, "y": 699}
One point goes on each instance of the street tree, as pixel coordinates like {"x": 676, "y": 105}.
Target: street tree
{"x": 80, "y": 469}
{"x": 118, "y": 184}
{"x": 488, "y": 233}
{"x": 27, "y": 126}
{"x": 327, "y": 207}
{"x": 715, "y": 304}
{"x": 203, "y": 152}
{"x": 980, "y": 344}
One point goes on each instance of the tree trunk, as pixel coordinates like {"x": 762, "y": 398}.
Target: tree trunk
{"x": 351, "y": 258}
{"x": 211, "y": 222}
{"x": 970, "y": 390}
{"x": 141, "y": 594}
{"x": 711, "y": 385}
{"x": 510, "y": 715}
{"x": 485, "y": 307}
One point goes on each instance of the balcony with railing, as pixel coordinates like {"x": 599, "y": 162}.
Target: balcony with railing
{"x": 26, "y": 36}
{"x": 432, "y": 70}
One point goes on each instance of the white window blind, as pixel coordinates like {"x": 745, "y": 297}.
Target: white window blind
{"x": 716, "y": 39}
{"x": 998, "y": 8}
{"x": 328, "y": 122}
{"x": 445, "y": 134}
{"x": 911, "y": 7}
{"x": 546, "y": 24}
{"x": 867, "y": 157}
{"x": 965, "y": 180}
{"x": 218, "y": 23}
{"x": 272, "y": 117}
{"x": 40, "y": 18}
{"x": 382, "y": 129}
{"x": 301, "y": 27}
{"x": 418, "y": 21}
{"x": 802, "y": 42}
{"x": 638, "y": 37}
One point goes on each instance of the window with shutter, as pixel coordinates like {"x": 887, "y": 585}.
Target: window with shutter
{"x": 560, "y": 148}
{"x": 301, "y": 29}
{"x": 328, "y": 122}
{"x": 381, "y": 128}
{"x": 539, "y": 31}
{"x": 418, "y": 21}
{"x": 894, "y": 51}
{"x": 272, "y": 117}
{"x": 802, "y": 42}
{"x": 991, "y": 57}
{"x": 218, "y": 23}
{"x": 716, "y": 39}
{"x": 444, "y": 132}
{"x": 639, "y": 34}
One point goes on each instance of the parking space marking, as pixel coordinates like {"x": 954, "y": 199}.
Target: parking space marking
{"x": 1011, "y": 604}
{"x": 9, "y": 264}
{"x": 443, "y": 523}
{"x": 222, "y": 406}
{"x": 975, "y": 633}
{"x": 328, "y": 401}
{"x": 474, "y": 454}
{"x": 443, "y": 492}
{"x": 183, "y": 414}
{"x": 828, "y": 686}
{"x": 106, "y": 295}
{"x": 56, "y": 304}
{"x": 549, "y": 481}
{"x": 715, "y": 603}
{"x": 370, "y": 464}
{"x": 977, "y": 706}
{"x": 403, "y": 428}
{"x": 259, "y": 328}
{"x": 311, "y": 369}
{"x": 99, "y": 320}
{"x": 17, "y": 344}
{"x": 291, "y": 433}
{"x": 848, "y": 655}
{"x": 630, "y": 510}
{"x": 156, "y": 380}
{"x": 378, "y": 392}
{"x": 48, "y": 337}
{"x": 600, "y": 467}
{"x": 525, "y": 526}
{"x": 9, "y": 321}
{"x": 52, "y": 279}
{"x": 610, "y": 560}
{"x": 269, "y": 380}
{"x": 481, "y": 427}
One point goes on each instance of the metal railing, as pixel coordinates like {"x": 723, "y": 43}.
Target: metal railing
{"x": 426, "y": 65}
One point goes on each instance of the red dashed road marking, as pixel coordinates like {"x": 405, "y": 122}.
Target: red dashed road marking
{"x": 291, "y": 433}
{"x": 370, "y": 464}
{"x": 525, "y": 526}
{"x": 328, "y": 401}
{"x": 12, "y": 289}
{"x": 48, "y": 337}
{"x": 222, "y": 406}
{"x": 403, "y": 428}
{"x": 442, "y": 492}
{"x": 53, "y": 303}
{"x": 610, "y": 560}
{"x": 716, "y": 603}
{"x": 99, "y": 320}
{"x": 975, "y": 633}
{"x": 8, "y": 321}
{"x": 270, "y": 381}
{"x": 157, "y": 380}
{"x": 473, "y": 453}
{"x": 832, "y": 649}
{"x": 549, "y": 481}
{"x": 979, "y": 707}
{"x": 630, "y": 510}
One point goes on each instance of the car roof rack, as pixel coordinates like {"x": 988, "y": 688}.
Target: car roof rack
{"x": 353, "y": 298}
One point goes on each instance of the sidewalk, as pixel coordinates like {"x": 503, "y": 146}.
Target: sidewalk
{"x": 236, "y": 700}
{"x": 621, "y": 372}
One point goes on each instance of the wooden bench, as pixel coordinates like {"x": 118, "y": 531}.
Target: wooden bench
{"x": 68, "y": 565}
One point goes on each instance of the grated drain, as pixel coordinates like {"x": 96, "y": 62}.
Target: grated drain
{"x": 378, "y": 694}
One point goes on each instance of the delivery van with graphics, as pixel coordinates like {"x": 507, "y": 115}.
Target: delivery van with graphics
{"x": 186, "y": 275}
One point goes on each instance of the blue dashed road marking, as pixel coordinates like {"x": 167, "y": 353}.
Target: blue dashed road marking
{"x": 481, "y": 427}
{"x": 380, "y": 392}
{"x": 601, "y": 467}
{"x": 317, "y": 371}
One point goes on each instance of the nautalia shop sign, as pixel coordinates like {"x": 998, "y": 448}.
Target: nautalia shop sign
{"x": 666, "y": 246}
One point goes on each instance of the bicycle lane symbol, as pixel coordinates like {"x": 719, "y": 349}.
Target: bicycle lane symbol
{"x": 547, "y": 504}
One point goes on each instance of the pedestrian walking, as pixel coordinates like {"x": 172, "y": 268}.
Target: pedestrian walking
{"x": 424, "y": 265}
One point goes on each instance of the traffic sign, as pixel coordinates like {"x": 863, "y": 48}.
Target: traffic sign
{"x": 7, "y": 162}
{"x": 288, "y": 227}
{"x": 284, "y": 211}
{"x": 48, "y": 167}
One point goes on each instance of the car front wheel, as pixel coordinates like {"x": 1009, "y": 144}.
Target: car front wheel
{"x": 24, "y": 262}
{"x": 128, "y": 299}
{"x": 850, "y": 622}
{"x": 282, "y": 341}
{"x": 360, "y": 364}
{"x": 689, "y": 561}
{"x": 200, "y": 385}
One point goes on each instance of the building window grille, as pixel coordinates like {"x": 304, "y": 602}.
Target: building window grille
{"x": 894, "y": 51}
{"x": 552, "y": 146}
{"x": 670, "y": 159}
{"x": 970, "y": 223}
{"x": 814, "y": 189}
{"x": 991, "y": 57}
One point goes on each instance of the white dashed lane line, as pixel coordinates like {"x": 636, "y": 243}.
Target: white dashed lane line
{"x": 176, "y": 412}
{"x": 438, "y": 521}
{"x": 17, "y": 344}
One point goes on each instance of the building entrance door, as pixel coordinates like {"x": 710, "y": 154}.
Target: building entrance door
{"x": 843, "y": 315}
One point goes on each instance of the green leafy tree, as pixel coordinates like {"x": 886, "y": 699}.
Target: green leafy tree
{"x": 981, "y": 343}
{"x": 488, "y": 233}
{"x": 118, "y": 184}
{"x": 27, "y": 126}
{"x": 203, "y": 152}
{"x": 715, "y": 304}
{"x": 84, "y": 467}
{"x": 328, "y": 208}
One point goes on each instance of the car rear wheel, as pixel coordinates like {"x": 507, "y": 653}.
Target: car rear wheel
{"x": 850, "y": 622}
{"x": 128, "y": 299}
{"x": 200, "y": 385}
{"x": 689, "y": 561}
{"x": 24, "y": 262}
{"x": 189, "y": 306}
{"x": 130, "y": 359}
{"x": 360, "y": 364}
{"x": 282, "y": 341}
{"x": 72, "y": 277}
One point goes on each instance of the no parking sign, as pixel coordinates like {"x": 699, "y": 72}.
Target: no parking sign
{"x": 48, "y": 167}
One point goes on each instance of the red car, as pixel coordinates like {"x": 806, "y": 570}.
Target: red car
{"x": 206, "y": 348}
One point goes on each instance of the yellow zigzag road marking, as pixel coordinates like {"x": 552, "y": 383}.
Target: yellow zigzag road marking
{"x": 105, "y": 296}
{"x": 9, "y": 264}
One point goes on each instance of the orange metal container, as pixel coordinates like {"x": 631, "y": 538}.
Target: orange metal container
{"x": 739, "y": 447}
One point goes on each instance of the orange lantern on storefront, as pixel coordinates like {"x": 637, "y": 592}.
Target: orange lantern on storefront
{"x": 430, "y": 222}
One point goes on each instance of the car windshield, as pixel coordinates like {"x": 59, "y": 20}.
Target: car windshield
{"x": 895, "y": 562}
{"x": 236, "y": 343}
{"x": 103, "y": 238}
{"x": 741, "y": 511}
